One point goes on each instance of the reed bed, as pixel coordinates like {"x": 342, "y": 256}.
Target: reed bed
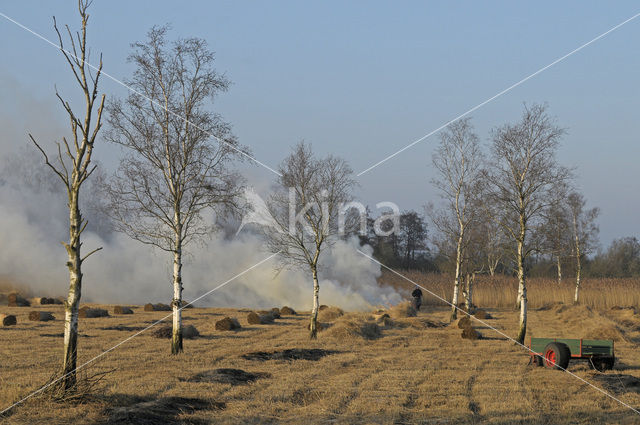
{"x": 501, "y": 291}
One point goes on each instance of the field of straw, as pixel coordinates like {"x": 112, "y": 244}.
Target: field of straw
{"x": 500, "y": 291}
{"x": 365, "y": 368}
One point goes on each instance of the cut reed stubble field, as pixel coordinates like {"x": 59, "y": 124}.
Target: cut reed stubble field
{"x": 412, "y": 370}
{"x": 500, "y": 291}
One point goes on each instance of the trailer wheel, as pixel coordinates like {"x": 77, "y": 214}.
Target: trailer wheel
{"x": 601, "y": 365}
{"x": 556, "y": 355}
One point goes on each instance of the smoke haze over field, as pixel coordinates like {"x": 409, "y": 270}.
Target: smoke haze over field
{"x": 34, "y": 220}
{"x": 125, "y": 271}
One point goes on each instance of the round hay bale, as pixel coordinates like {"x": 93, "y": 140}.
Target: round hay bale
{"x": 275, "y": 312}
{"x": 16, "y": 300}
{"x": 41, "y": 316}
{"x": 464, "y": 322}
{"x": 481, "y": 314}
{"x": 470, "y": 333}
{"x": 157, "y": 307}
{"x": 228, "y": 324}
{"x": 8, "y": 320}
{"x": 190, "y": 332}
{"x": 330, "y": 313}
{"x": 47, "y": 301}
{"x": 92, "y": 313}
{"x": 404, "y": 309}
{"x": 253, "y": 318}
{"x": 287, "y": 311}
{"x": 267, "y": 318}
{"x": 122, "y": 310}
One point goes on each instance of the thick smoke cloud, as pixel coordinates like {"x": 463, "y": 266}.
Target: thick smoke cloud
{"x": 125, "y": 271}
{"x": 33, "y": 222}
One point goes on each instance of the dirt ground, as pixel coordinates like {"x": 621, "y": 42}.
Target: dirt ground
{"x": 417, "y": 371}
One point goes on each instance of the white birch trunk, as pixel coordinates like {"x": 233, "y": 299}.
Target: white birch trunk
{"x": 176, "y": 336}
{"x": 559, "y": 266}
{"x": 519, "y": 297}
{"x": 313, "y": 329}
{"x": 522, "y": 292}
{"x": 469, "y": 293}
{"x": 456, "y": 283}
{"x": 75, "y": 291}
{"x": 578, "y": 264}
{"x": 176, "y": 340}
{"x": 523, "y": 317}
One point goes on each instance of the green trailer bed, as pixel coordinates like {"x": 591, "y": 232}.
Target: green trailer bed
{"x": 556, "y": 353}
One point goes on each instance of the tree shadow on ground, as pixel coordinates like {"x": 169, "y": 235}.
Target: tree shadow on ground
{"x": 136, "y": 410}
{"x": 313, "y": 354}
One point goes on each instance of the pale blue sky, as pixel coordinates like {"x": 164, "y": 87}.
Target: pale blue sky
{"x": 363, "y": 79}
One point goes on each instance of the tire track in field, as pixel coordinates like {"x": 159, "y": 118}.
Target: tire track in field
{"x": 532, "y": 395}
{"x": 473, "y": 406}
{"x": 412, "y": 397}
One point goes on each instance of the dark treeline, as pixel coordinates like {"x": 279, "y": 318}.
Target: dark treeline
{"x": 620, "y": 259}
{"x": 414, "y": 248}
{"x": 407, "y": 247}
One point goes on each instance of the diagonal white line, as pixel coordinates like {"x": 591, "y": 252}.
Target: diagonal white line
{"x": 134, "y": 335}
{"x": 480, "y": 105}
{"x": 46, "y": 40}
{"x": 498, "y": 331}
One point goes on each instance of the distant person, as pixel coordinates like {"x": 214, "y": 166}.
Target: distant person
{"x": 417, "y": 298}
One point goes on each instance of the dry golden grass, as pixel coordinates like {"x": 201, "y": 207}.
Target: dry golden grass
{"x": 501, "y": 291}
{"x": 415, "y": 372}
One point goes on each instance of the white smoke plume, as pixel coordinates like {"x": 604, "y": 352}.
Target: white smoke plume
{"x": 125, "y": 271}
{"x": 34, "y": 220}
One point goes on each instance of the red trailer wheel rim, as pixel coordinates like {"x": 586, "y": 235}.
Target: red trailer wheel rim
{"x": 550, "y": 357}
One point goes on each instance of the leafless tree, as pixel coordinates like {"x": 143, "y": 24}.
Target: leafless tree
{"x": 458, "y": 161}
{"x": 172, "y": 170}
{"x": 321, "y": 187}
{"x": 555, "y": 237}
{"x": 585, "y": 232}
{"x": 491, "y": 240}
{"x": 73, "y": 166}
{"x": 521, "y": 182}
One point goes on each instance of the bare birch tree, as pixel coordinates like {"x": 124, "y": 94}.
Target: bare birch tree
{"x": 73, "y": 166}
{"x": 458, "y": 161}
{"x": 172, "y": 170}
{"x": 521, "y": 182}
{"x": 584, "y": 232}
{"x": 555, "y": 239}
{"x": 492, "y": 241}
{"x": 321, "y": 187}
